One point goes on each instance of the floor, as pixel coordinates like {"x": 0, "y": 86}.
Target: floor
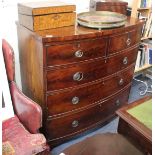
{"x": 136, "y": 88}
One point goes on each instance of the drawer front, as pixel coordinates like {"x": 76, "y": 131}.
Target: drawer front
{"x": 61, "y": 78}
{"x": 75, "y": 52}
{"x": 63, "y": 102}
{"x": 122, "y": 41}
{"x": 80, "y": 121}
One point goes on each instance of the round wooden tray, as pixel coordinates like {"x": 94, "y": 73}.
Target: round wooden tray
{"x": 101, "y": 19}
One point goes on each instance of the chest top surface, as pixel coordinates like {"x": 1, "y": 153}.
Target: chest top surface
{"x": 79, "y": 32}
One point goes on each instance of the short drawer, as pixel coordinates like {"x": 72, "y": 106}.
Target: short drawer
{"x": 124, "y": 40}
{"x": 75, "y": 51}
{"x": 74, "y": 99}
{"x": 74, "y": 75}
{"x": 68, "y": 125}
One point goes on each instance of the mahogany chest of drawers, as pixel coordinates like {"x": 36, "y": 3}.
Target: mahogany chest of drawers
{"x": 79, "y": 76}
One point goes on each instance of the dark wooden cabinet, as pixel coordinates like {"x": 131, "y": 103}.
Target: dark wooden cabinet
{"x": 112, "y": 5}
{"x": 79, "y": 76}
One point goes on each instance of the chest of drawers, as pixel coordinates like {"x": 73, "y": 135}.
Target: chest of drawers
{"x": 79, "y": 76}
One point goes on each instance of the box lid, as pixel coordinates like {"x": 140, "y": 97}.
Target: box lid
{"x": 45, "y": 7}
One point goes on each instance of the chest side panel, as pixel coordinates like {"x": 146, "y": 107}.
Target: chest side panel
{"x": 31, "y": 65}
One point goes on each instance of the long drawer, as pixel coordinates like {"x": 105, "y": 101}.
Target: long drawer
{"x": 74, "y": 123}
{"x": 73, "y": 99}
{"x": 75, "y": 51}
{"x": 122, "y": 41}
{"x": 74, "y": 75}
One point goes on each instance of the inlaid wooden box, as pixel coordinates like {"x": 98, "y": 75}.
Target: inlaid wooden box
{"x": 45, "y": 15}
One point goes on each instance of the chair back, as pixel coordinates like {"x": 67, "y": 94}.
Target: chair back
{"x": 27, "y": 111}
{"x": 8, "y": 54}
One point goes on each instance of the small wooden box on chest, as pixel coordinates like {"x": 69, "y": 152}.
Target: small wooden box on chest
{"x": 45, "y": 15}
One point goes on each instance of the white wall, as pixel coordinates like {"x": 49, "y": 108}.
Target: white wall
{"x": 8, "y": 27}
{"x": 6, "y": 112}
{"x": 130, "y": 2}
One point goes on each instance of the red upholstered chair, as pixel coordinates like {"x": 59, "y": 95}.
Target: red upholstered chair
{"x": 20, "y": 133}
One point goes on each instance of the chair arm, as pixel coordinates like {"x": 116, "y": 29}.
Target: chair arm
{"x": 28, "y": 112}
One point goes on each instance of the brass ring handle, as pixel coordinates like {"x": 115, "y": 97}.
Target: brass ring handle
{"x": 78, "y": 76}
{"x": 128, "y": 42}
{"x": 125, "y": 61}
{"x": 75, "y": 100}
{"x": 75, "y": 123}
{"x": 79, "y": 54}
{"x": 121, "y": 82}
{"x": 117, "y": 103}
